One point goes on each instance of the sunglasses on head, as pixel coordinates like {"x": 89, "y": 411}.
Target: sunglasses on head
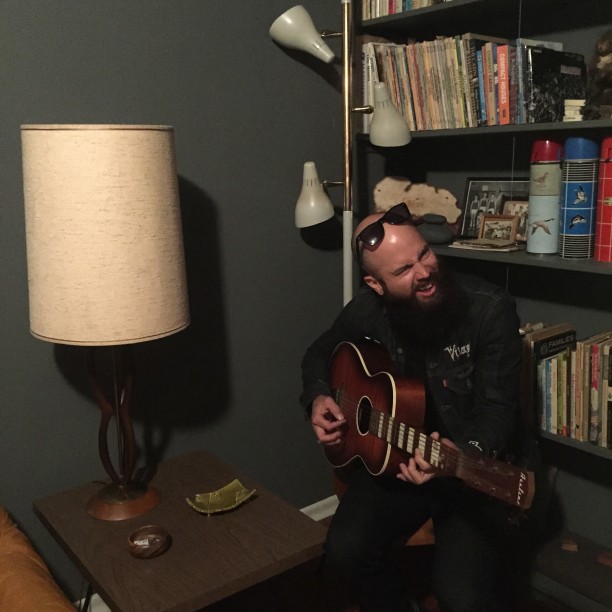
{"x": 373, "y": 234}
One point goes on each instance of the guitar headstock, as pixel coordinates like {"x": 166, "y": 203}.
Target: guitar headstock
{"x": 503, "y": 481}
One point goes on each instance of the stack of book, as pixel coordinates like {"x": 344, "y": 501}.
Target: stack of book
{"x": 473, "y": 80}
{"x": 566, "y": 384}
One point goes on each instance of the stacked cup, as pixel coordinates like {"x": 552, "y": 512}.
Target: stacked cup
{"x": 579, "y": 189}
{"x": 603, "y": 225}
{"x": 544, "y": 194}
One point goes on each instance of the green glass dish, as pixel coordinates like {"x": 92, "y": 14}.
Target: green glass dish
{"x": 228, "y": 497}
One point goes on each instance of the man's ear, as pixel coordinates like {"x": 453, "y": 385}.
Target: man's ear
{"x": 373, "y": 283}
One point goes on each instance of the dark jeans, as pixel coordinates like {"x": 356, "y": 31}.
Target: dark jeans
{"x": 376, "y": 515}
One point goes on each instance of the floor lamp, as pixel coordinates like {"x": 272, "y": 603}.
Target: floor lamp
{"x": 295, "y": 29}
{"x": 105, "y": 268}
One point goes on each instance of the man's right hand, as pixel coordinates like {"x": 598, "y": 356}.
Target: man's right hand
{"x": 327, "y": 421}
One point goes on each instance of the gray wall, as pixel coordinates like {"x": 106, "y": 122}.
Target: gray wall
{"x": 247, "y": 114}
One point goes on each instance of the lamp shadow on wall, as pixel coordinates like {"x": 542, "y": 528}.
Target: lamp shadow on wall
{"x": 181, "y": 381}
{"x": 326, "y": 236}
{"x": 328, "y": 72}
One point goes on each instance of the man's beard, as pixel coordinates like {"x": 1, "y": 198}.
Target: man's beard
{"x": 427, "y": 322}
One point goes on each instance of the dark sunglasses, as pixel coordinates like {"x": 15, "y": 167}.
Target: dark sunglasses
{"x": 373, "y": 234}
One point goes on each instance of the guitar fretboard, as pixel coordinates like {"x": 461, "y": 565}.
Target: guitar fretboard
{"x": 406, "y": 438}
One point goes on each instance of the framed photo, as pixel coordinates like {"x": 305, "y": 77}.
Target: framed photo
{"x": 488, "y": 196}
{"x": 499, "y": 227}
{"x": 518, "y": 208}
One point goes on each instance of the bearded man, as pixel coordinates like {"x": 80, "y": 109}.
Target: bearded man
{"x": 460, "y": 336}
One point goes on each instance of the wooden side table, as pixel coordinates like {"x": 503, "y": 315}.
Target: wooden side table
{"x": 211, "y": 557}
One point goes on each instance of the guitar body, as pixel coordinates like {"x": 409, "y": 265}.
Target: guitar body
{"x": 361, "y": 376}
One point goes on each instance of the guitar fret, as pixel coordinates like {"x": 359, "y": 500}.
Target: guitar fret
{"x": 423, "y": 444}
{"x": 410, "y": 444}
{"x": 380, "y": 425}
{"x": 401, "y": 434}
{"x": 389, "y": 429}
{"x": 435, "y": 458}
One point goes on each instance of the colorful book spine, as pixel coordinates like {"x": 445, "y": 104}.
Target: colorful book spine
{"x": 442, "y": 82}
{"x": 456, "y": 60}
{"x": 572, "y": 395}
{"x": 473, "y": 94}
{"x": 520, "y": 83}
{"x": 425, "y": 88}
{"x": 503, "y": 84}
{"x": 489, "y": 74}
{"x": 595, "y": 399}
{"x": 466, "y": 87}
{"x": 552, "y": 410}
{"x": 482, "y": 120}
{"x": 604, "y": 389}
{"x": 401, "y": 63}
{"x": 562, "y": 392}
{"x": 512, "y": 83}
{"x": 415, "y": 86}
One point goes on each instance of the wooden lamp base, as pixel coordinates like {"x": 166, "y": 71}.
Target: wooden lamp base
{"x": 120, "y": 502}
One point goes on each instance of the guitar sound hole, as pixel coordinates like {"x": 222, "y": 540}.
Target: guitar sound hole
{"x": 363, "y": 416}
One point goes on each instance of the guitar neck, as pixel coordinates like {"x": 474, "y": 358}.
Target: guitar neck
{"x": 408, "y": 439}
{"x": 500, "y": 480}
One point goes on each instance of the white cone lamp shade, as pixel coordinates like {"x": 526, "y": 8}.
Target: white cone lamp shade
{"x": 313, "y": 205}
{"x": 388, "y": 127}
{"x": 294, "y": 29}
{"x": 104, "y": 236}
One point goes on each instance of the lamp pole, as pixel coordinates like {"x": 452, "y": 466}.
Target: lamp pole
{"x": 347, "y": 211}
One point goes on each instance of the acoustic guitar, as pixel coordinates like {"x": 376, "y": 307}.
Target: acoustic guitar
{"x": 384, "y": 426}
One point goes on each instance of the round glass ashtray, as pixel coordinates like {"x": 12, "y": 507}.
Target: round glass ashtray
{"x": 148, "y": 542}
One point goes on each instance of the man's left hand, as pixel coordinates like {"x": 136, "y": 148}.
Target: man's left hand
{"x": 418, "y": 471}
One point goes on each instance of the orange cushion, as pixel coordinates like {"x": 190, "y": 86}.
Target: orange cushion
{"x": 25, "y": 581}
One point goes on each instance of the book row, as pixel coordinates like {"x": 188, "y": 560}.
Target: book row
{"x": 371, "y": 9}
{"x": 473, "y": 80}
{"x": 567, "y": 383}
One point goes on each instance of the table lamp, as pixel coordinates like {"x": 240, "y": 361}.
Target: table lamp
{"x": 105, "y": 267}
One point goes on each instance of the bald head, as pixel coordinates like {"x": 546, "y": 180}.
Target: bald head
{"x": 397, "y": 238}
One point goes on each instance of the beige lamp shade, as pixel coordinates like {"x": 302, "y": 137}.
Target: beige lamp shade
{"x": 104, "y": 236}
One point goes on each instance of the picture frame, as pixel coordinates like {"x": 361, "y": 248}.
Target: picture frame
{"x": 488, "y": 196}
{"x": 519, "y": 208}
{"x": 499, "y": 227}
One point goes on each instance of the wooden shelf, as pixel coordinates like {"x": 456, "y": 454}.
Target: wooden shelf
{"x": 529, "y": 129}
{"x": 522, "y": 258}
{"x": 586, "y": 447}
{"x": 499, "y": 17}
{"x": 585, "y": 129}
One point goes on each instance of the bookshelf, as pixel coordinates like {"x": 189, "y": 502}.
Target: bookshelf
{"x": 547, "y": 287}
{"x": 494, "y": 151}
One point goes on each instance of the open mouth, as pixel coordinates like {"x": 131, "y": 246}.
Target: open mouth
{"x": 427, "y": 289}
